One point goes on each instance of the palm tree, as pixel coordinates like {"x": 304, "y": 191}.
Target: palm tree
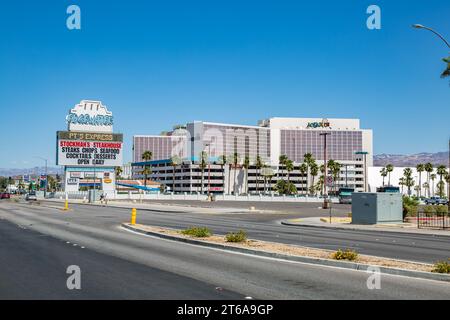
{"x": 223, "y": 161}
{"x": 446, "y": 72}
{"x": 314, "y": 169}
{"x": 432, "y": 177}
{"x": 304, "y": 170}
{"x": 401, "y": 182}
{"x": 246, "y": 165}
{"x": 289, "y": 164}
{"x": 428, "y": 169}
{"x": 282, "y": 159}
{"x": 118, "y": 171}
{"x": 441, "y": 171}
{"x": 408, "y": 181}
{"x": 174, "y": 162}
{"x": 146, "y": 156}
{"x": 202, "y": 165}
{"x": 389, "y": 169}
{"x": 235, "y": 164}
{"x": 259, "y": 164}
{"x": 146, "y": 172}
{"x": 308, "y": 160}
{"x": 383, "y": 173}
{"x": 420, "y": 168}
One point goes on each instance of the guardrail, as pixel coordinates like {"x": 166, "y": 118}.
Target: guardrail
{"x": 84, "y": 195}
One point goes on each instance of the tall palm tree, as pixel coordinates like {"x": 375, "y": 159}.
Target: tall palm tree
{"x": 223, "y": 161}
{"x": 202, "y": 165}
{"x": 246, "y": 166}
{"x": 282, "y": 159}
{"x": 389, "y": 169}
{"x": 146, "y": 172}
{"x": 174, "y": 162}
{"x": 408, "y": 181}
{"x": 259, "y": 164}
{"x": 308, "y": 159}
{"x": 446, "y": 72}
{"x": 428, "y": 169}
{"x": 235, "y": 164}
{"x": 146, "y": 156}
{"x": 383, "y": 173}
{"x": 420, "y": 168}
{"x": 289, "y": 164}
{"x": 314, "y": 169}
{"x": 432, "y": 177}
{"x": 441, "y": 170}
{"x": 401, "y": 182}
{"x": 118, "y": 171}
{"x": 303, "y": 171}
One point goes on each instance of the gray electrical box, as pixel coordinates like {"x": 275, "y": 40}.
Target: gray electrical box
{"x": 373, "y": 208}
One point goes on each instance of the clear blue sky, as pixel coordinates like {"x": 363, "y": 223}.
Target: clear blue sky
{"x": 159, "y": 63}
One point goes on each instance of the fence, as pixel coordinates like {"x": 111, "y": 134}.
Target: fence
{"x": 433, "y": 219}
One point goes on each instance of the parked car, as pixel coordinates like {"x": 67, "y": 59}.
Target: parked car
{"x": 436, "y": 200}
{"x": 31, "y": 196}
{"x": 5, "y": 195}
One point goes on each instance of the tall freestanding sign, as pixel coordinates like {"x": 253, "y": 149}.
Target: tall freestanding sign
{"x": 89, "y": 150}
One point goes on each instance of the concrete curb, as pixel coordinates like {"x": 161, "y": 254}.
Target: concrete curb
{"x": 299, "y": 224}
{"x": 318, "y": 261}
{"x": 121, "y": 207}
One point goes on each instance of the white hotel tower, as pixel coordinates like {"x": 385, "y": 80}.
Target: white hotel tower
{"x": 271, "y": 138}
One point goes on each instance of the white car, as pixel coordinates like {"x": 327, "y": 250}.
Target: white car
{"x": 31, "y": 196}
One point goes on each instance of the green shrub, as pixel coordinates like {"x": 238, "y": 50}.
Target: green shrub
{"x": 239, "y": 236}
{"x": 345, "y": 255}
{"x": 199, "y": 232}
{"x": 441, "y": 210}
{"x": 441, "y": 267}
{"x": 410, "y": 206}
{"x": 428, "y": 210}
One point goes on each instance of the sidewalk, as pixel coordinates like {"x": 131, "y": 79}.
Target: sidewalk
{"x": 174, "y": 208}
{"x": 398, "y": 228}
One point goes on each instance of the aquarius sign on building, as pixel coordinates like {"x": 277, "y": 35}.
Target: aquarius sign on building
{"x": 323, "y": 124}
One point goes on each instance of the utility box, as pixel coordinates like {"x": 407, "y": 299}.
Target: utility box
{"x": 373, "y": 208}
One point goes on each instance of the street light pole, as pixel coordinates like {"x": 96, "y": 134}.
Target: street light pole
{"x": 46, "y": 175}
{"x": 325, "y": 173}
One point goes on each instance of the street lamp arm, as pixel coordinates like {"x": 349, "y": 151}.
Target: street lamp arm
{"x": 419, "y": 26}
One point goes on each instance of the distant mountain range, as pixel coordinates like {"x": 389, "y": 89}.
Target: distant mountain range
{"x": 400, "y": 160}
{"x": 11, "y": 172}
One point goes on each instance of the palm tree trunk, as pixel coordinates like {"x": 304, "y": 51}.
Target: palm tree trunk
{"x": 229, "y": 179}
{"x": 246, "y": 181}
{"x": 201, "y": 186}
{"x": 173, "y": 180}
{"x": 234, "y": 180}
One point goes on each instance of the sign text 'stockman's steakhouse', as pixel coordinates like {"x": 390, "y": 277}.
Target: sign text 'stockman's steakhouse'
{"x": 80, "y": 152}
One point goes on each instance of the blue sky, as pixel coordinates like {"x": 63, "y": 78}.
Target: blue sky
{"x": 159, "y": 63}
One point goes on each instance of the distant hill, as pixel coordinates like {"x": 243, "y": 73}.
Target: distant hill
{"x": 10, "y": 172}
{"x": 400, "y": 160}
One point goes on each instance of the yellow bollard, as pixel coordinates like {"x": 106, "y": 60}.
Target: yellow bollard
{"x": 66, "y": 205}
{"x": 133, "y": 216}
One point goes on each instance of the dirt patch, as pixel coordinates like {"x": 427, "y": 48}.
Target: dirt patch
{"x": 292, "y": 249}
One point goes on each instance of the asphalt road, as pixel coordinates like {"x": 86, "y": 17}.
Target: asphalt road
{"x": 286, "y": 209}
{"x": 413, "y": 247}
{"x": 115, "y": 263}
